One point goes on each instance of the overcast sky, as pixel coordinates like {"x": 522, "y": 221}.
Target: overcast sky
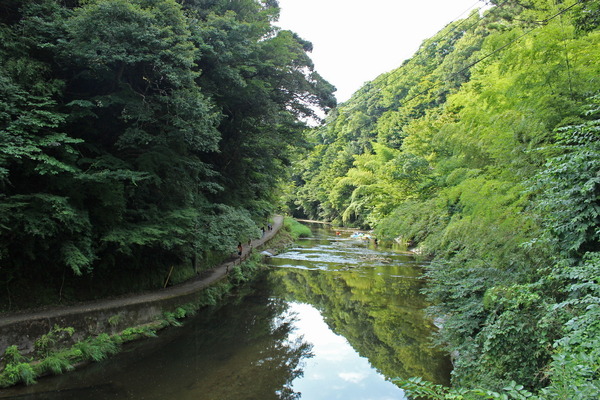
{"x": 354, "y": 41}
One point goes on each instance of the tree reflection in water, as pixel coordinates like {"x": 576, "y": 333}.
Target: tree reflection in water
{"x": 247, "y": 348}
{"x": 239, "y": 350}
{"x": 376, "y": 306}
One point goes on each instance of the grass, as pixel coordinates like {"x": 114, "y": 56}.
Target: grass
{"x": 296, "y": 229}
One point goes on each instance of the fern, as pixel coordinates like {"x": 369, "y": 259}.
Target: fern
{"x": 50, "y": 341}
{"x": 17, "y": 369}
{"x": 135, "y": 333}
{"x": 16, "y": 373}
{"x": 97, "y": 348}
{"x": 55, "y": 364}
{"x": 171, "y": 319}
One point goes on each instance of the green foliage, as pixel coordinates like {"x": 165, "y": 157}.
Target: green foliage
{"x": 114, "y": 320}
{"x": 171, "y": 319}
{"x": 180, "y": 312}
{"x": 55, "y": 364}
{"x": 570, "y": 179}
{"x": 96, "y": 348}
{"x": 12, "y": 355}
{"x": 575, "y": 368}
{"x": 245, "y": 271}
{"x": 351, "y": 149}
{"x": 52, "y": 341}
{"x": 482, "y": 152}
{"x": 211, "y": 295}
{"x": 136, "y": 135}
{"x": 587, "y": 17}
{"x": 556, "y": 311}
{"x": 135, "y": 333}
{"x": 16, "y": 369}
{"x": 570, "y": 182}
{"x": 188, "y": 310}
{"x": 428, "y": 390}
{"x": 296, "y": 228}
{"x": 17, "y": 373}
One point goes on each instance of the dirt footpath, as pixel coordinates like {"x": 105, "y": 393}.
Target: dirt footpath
{"x": 22, "y": 328}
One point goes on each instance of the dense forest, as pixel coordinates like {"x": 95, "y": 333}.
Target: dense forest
{"x": 483, "y": 152}
{"x": 139, "y": 135}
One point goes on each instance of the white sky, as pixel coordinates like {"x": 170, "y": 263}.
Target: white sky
{"x": 354, "y": 41}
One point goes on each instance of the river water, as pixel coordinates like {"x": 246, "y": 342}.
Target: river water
{"x": 333, "y": 318}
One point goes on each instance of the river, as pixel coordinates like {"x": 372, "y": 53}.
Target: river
{"x": 334, "y": 317}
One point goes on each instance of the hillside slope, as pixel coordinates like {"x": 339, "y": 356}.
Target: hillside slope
{"x": 482, "y": 149}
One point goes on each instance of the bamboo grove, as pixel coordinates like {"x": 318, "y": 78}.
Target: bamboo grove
{"x": 482, "y": 151}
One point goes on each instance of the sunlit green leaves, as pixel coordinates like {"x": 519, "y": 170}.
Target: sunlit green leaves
{"x": 495, "y": 174}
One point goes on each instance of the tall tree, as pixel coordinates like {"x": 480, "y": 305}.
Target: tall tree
{"x": 138, "y": 135}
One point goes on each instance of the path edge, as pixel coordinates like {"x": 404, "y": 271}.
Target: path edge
{"x": 92, "y": 318}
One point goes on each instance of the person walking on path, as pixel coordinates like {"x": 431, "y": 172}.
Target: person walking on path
{"x": 54, "y": 314}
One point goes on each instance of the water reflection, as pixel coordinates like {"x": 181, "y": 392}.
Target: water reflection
{"x": 336, "y": 371}
{"x": 370, "y": 296}
{"x": 242, "y": 350}
{"x": 333, "y": 318}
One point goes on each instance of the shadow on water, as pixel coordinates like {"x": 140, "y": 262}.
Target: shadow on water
{"x": 332, "y": 318}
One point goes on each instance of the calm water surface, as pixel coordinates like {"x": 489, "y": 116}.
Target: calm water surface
{"x": 334, "y": 318}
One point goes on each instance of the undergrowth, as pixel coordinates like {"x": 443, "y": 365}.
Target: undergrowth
{"x": 296, "y": 229}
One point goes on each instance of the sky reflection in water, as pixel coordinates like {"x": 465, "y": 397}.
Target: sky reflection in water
{"x": 336, "y": 371}
{"x": 355, "y": 307}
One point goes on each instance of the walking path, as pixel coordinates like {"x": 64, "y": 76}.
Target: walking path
{"x": 189, "y": 287}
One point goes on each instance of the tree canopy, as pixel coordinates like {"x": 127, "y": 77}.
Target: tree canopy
{"x": 140, "y": 135}
{"x": 480, "y": 151}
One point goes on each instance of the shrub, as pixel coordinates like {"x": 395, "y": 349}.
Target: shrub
{"x": 297, "y": 229}
{"x": 17, "y": 369}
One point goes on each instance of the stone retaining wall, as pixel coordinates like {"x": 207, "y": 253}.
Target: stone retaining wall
{"x": 89, "y": 319}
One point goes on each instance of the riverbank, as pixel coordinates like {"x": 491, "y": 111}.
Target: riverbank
{"x": 275, "y": 333}
{"x": 112, "y": 316}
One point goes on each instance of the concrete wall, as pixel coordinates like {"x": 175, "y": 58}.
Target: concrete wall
{"x": 92, "y": 318}
{"x": 89, "y": 321}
